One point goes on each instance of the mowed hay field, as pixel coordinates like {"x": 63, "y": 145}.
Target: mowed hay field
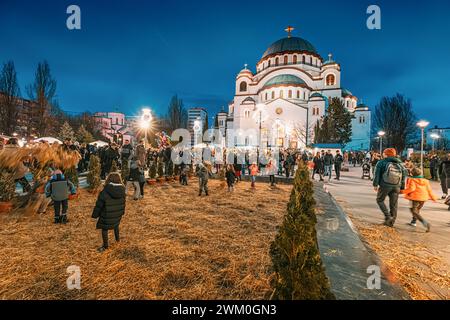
{"x": 174, "y": 245}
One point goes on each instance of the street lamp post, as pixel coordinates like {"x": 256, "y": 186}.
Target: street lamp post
{"x": 422, "y": 125}
{"x": 381, "y": 134}
{"x": 146, "y": 118}
{"x": 435, "y": 137}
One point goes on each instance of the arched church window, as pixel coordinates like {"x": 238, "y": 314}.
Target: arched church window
{"x": 247, "y": 113}
{"x": 304, "y": 95}
{"x": 298, "y": 94}
{"x": 290, "y": 94}
{"x": 330, "y": 80}
{"x": 294, "y": 60}
{"x": 268, "y": 64}
{"x": 285, "y": 59}
{"x": 276, "y": 61}
{"x": 273, "y": 94}
{"x": 348, "y": 104}
{"x": 243, "y": 86}
{"x": 266, "y": 96}
{"x": 281, "y": 93}
{"x": 303, "y": 59}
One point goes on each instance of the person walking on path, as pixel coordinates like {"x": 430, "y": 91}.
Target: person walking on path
{"x": 58, "y": 189}
{"x": 134, "y": 177}
{"x": 338, "y": 160}
{"x": 203, "y": 173}
{"x": 231, "y": 177}
{"x": 444, "y": 175}
{"x": 328, "y": 164}
{"x": 271, "y": 169}
{"x": 389, "y": 180}
{"x": 110, "y": 207}
{"x": 433, "y": 167}
{"x": 418, "y": 190}
{"x": 318, "y": 166}
{"x": 253, "y": 173}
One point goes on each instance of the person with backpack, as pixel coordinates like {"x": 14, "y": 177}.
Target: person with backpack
{"x": 58, "y": 189}
{"x": 389, "y": 180}
{"x": 110, "y": 207}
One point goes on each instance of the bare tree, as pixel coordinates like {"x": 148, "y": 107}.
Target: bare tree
{"x": 302, "y": 134}
{"x": 177, "y": 114}
{"x": 395, "y": 116}
{"x": 9, "y": 94}
{"x": 42, "y": 91}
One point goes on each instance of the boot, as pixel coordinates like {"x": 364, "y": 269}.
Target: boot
{"x": 64, "y": 219}
{"x": 57, "y": 219}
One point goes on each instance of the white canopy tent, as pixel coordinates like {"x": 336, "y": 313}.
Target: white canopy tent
{"x": 99, "y": 143}
{"x": 50, "y": 140}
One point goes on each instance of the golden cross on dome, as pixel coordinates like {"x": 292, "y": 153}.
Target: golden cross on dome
{"x": 289, "y": 29}
{"x": 245, "y": 66}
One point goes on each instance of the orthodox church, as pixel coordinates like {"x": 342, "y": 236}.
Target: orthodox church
{"x": 280, "y": 104}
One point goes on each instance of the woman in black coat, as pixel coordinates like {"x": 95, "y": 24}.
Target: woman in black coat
{"x": 110, "y": 207}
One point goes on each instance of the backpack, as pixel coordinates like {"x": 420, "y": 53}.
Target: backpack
{"x": 393, "y": 174}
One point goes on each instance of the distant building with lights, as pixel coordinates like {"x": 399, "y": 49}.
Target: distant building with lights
{"x": 197, "y": 123}
{"x": 280, "y": 104}
{"x": 113, "y": 126}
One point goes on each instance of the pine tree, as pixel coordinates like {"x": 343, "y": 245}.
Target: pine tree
{"x": 66, "y": 132}
{"x": 72, "y": 175}
{"x": 84, "y": 136}
{"x": 93, "y": 177}
{"x": 294, "y": 252}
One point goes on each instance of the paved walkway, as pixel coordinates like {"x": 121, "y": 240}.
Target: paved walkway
{"x": 346, "y": 258}
{"x": 357, "y": 198}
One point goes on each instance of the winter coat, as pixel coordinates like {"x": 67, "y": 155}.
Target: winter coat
{"x": 318, "y": 164}
{"x": 381, "y": 168}
{"x": 134, "y": 171}
{"x": 338, "y": 160}
{"x": 328, "y": 159}
{"x": 110, "y": 206}
{"x": 58, "y": 188}
{"x": 444, "y": 168}
{"x": 418, "y": 189}
{"x": 141, "y": 153}
{"x": 253, "y": 170}
{"x": 231, "y": 177}
{"x": 127, "y": 151}
{"x": 202, "y": 173}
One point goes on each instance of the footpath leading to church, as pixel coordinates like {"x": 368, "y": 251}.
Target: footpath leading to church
{"x": 419, "y": 261}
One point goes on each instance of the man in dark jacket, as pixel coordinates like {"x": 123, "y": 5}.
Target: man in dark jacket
{"x": 110, "y": 207}
{"x": 328, "y": 161}
{"x": 444, "y": 175}
{"x": 338, "y": 159}
{"x": 389, "y": 180}
{"x": 433, "y": 167}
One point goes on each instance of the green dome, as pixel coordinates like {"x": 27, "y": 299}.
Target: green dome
{"x": 290, "y": 44}
{"x": 284, "y": 79}
{"x": 346, "y": 93}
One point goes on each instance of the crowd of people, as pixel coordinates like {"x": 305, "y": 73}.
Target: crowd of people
{"x": 391, "y": 176}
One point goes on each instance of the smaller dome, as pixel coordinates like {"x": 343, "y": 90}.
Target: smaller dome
{"x": 245, "y": 71}
{"x": 286, "y": 79}
{"x": 346, "y": 93}
{"x": 330, "y": 60}
{"x": 362, "y": 107}
{"x": 317, "y": 95}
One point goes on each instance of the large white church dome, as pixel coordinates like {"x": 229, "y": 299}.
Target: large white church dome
{"x": 290, "y": 44}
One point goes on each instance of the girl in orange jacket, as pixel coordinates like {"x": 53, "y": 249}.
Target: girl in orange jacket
{"x": 253, "y": 172}
{"x": 418, "y": 190}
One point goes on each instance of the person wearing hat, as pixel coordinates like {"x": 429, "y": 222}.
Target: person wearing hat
{"x": 58, "y": 189}
{"x": 418, "y": 191}
{"x": 389, "y": 179}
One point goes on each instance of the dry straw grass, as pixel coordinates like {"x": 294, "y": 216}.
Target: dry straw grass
{"x": 175, "y": 245}
{"x": 421, "y": 271}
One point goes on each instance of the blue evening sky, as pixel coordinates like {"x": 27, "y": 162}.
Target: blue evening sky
{"x": 135, "y": 53}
